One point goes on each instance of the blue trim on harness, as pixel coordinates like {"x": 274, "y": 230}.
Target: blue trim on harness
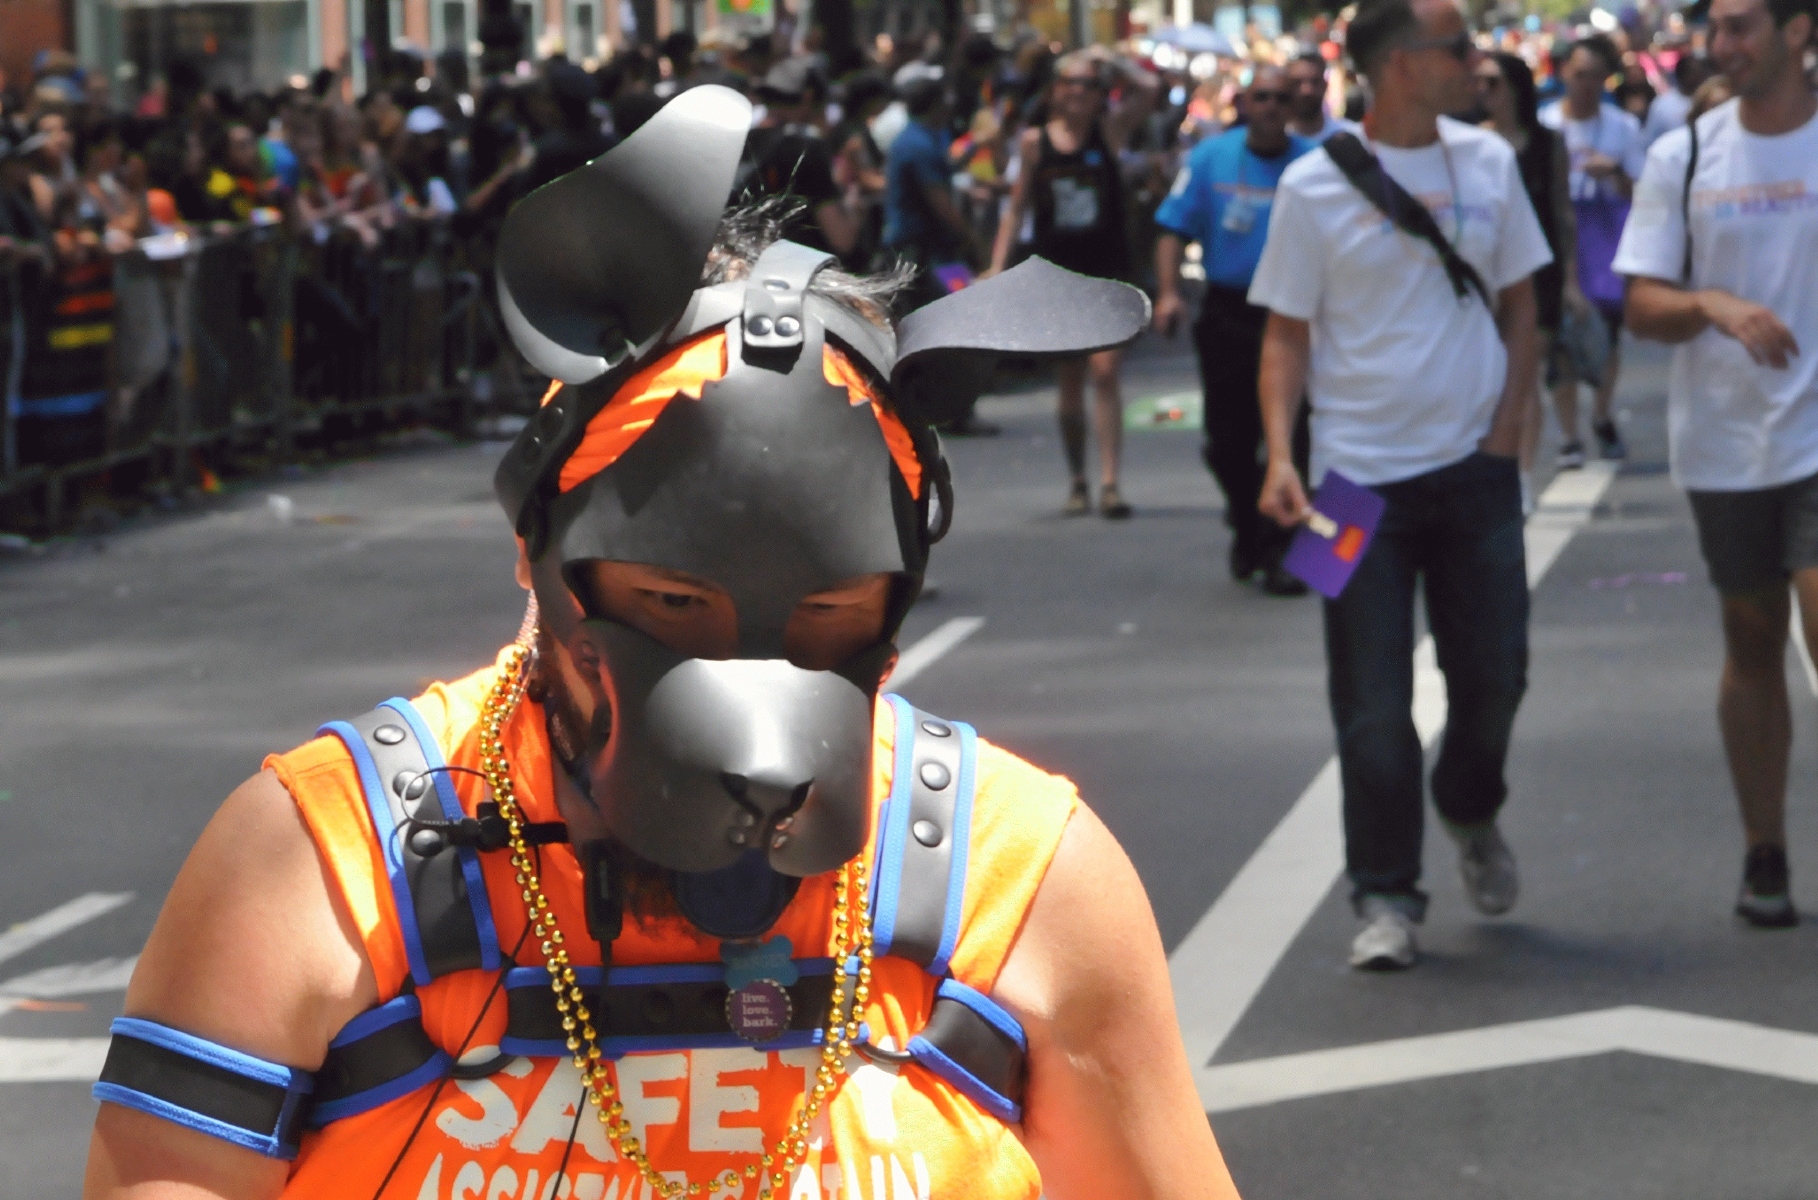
{"x": 126, "y": 1097}
{"x": 894, "y": 824}
{"x": 387, "y": 831}
{"x": 962, "y": 841}
{"x": 965, "y": 1082}
{"x": 348, "y": 1106}
{"x": 452, "y": 810}
{"x": 296, "y": 1084}
{"x": 986, "y": 1007}
{"x": 392, "y": 1012}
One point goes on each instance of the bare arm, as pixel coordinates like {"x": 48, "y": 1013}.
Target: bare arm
{"x": 1168, "y": 306}
{"x": 1287, "y": 351}
{"x": 838, "y": 226}
{"x": 1663, "y": 312}
{"x": 1028, "y": 149}
{"x": 1110, "y": 1108}
{"x": 1516, "y": 322}
{"x": 253, "y": 950}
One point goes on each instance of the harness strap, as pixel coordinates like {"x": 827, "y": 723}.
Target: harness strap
{"x": 927, "y": 827}
{"x": 205, "y": 1086}
{"x": 378, "y": 1056}
{"x": 443, "y": 910}
{"x": 674, "y": 1007}
{"x": 977, "y": 1047}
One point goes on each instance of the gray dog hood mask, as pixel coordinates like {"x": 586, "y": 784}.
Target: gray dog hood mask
{"x": 739, "y": 775}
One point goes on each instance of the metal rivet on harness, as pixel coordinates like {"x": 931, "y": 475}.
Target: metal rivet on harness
{"x": 927, "y": 833}
{"x": 788, "y": 326}
{"x": 935, "y": 775}
{"x": 736, "y": 836}
{"x": 427, "y": 843}
{"x": 938, "y": 728}
{"x": 760, "y": 326}
{"x": 410, "y": 784}
{"x": 388, "y": 735}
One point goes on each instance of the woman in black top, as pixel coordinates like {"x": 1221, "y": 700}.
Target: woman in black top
{"x": 1507, "y": 88}
{"x": 1071, "y": 189}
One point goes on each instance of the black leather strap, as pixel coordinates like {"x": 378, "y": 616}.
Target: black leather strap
{"x": 371, "y": 1062}
{"x": 1409, "y": 215}
{"x": 205, "y": 1086}
{"x": 927, "y": 869}
{"x": 438, "y": 889}
{"x": 986, "y": 1052}
{"x": 651, "y": 1010}
{"x": 1685, "y": 201}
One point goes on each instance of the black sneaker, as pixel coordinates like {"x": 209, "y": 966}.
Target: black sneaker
{"x": 1766, "y": 902}
{"x": 1245, "y": 563}
{"x": 1609, "y": 441}
{"x": 1278, "y": 581}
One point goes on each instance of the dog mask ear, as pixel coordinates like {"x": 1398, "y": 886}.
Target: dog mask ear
{"x": 946, "y": 350}
{"x": 596, "y": 265}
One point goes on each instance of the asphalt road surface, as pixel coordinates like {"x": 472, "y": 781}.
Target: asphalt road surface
{"x": 1618, "y": 1035}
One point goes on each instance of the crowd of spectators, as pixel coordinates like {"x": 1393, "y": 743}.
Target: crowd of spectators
{"x": 87, "y": 174}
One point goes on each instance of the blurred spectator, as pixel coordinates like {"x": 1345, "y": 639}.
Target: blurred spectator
{"x": 787, "y": 155}
{"x": 1071, "y": 183}
{"x": 1307, "y": 82}
{"x": 1670, "y": 109}
{"x": 858, "y": 161}
{"x": 1606, "y": 151}
{"x": 921, "y": 222}
{"x": 423, "y": 165}
{"x": 577, "y": 138}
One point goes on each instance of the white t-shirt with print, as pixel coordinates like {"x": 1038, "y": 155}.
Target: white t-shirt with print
{"x": 1406, "y": 374}
{"x": 1733, "y": 425}
{"x": 1611, "y": 133}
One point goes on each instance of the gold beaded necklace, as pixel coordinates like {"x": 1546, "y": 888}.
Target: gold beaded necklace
{"x": 851, "y": 936}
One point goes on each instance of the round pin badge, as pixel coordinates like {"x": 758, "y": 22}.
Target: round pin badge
{"x": 760, "y": 1011}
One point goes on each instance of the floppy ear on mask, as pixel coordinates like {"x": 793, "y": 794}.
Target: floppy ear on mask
{"x": 945, "y": 352}
{"x": 595, "y": 266}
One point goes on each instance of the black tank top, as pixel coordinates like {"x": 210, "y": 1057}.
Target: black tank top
{"x": 1079, "y": 208}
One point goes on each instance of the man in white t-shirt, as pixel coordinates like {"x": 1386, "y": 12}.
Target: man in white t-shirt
{"x": 1307, "y": 116}
{"x": 1417, "y": 391}
{"x": 1742, "y": 400}
{"x": 1606, "y": 151}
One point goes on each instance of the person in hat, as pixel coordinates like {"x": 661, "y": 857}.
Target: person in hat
{"x": 600, "y": 919}
{"x": 788, "y": 155}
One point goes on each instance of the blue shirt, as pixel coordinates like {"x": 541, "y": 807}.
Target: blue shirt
{"x": 1224, "y": 179}
{"x": 917, "y": 160}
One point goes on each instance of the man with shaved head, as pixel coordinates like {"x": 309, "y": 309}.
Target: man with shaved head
{"x": 1409, "y": 321}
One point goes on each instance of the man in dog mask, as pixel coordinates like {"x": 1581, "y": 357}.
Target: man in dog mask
{"x": 670, "y": 901}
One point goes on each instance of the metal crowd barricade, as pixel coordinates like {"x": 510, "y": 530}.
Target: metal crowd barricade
{"x": 248, "y": 342}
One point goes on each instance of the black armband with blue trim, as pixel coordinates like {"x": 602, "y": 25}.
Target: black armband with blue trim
{"x": 205, "y": 1086}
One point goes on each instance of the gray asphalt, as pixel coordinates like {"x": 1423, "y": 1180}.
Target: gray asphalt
{"x": 144, "y": 674}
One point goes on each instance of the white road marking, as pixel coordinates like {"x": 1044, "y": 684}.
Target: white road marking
{"x": 1682, "y": 1037}
{"x": 64, "y": 917}
{"x": 51, "y": 1060}
{"x": 1223, "y": 962}
{"x": 76, "y": 979}
{"x": 928, "y": 651}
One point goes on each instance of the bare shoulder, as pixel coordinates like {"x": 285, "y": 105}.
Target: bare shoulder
{"x": 254, "y": 948}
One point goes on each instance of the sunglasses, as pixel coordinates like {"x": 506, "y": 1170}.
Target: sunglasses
{"x": 1459, "y": 45}
{"x": 1275, "y": 97}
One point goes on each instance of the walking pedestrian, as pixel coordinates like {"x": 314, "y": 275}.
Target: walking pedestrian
{"x": 1722, "y": 256}
{"x": 1309, "y": 118}
{"x": 1606, "y": 151}
{"x": 1415, "y": 337}
{"x": 1505, "y": 87}
{"x": 1071, "y": 182}
{"x": 1222, "y": 199}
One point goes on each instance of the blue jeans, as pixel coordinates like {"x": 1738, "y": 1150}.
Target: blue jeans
{"x": 1458, "y": 530}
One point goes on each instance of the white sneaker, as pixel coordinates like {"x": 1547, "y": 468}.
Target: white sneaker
{"x": 1387, "y": 940}
{"x": 1487, "y": 866}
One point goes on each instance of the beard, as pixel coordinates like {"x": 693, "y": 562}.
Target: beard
{"x": 576, "y": 743}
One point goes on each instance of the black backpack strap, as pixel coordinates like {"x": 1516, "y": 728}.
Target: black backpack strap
{"x": 1685, "y": 200}
{"x": 1409, "y": 215}
{"x": 443, "y": 911}
{"x": 924, "y": 832}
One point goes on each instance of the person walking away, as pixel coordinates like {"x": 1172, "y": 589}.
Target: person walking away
{"x": 1606, "y": 152}
{"x": 1070, "y": 180}
{"x": 787, "y": 155}
{"x": 1309, "y": 118}
{"x": 1722, "y": 259}
{"x": 1222, "y": 199}
{"x": 1417, "y": 385}
{"x": 1505, "y": 87}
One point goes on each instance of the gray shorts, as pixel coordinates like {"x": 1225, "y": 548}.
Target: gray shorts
{"x": 1755, "y": 540}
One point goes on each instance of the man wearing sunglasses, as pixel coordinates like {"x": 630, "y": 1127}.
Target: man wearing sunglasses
{"x": 1221, "y": 199}
{"x": 1417, "y": 376}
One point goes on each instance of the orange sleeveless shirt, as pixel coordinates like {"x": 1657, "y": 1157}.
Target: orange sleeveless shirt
{"x": 889, "y": 1133}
